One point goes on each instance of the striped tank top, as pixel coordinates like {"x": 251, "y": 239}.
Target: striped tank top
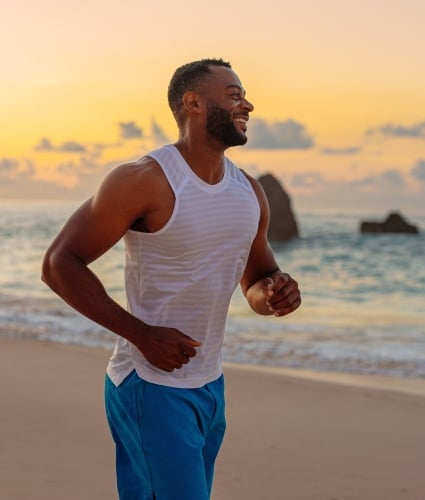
{"x": 183, "y": 276}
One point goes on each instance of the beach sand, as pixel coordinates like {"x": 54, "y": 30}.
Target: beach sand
{"x": 291, "y": 435}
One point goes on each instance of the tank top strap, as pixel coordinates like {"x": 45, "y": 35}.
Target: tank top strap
{"x": 171, "y": 166}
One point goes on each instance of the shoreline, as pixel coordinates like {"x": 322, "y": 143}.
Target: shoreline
{"x": 291, "y": 435}
{"x": 393, "y": 383}
{"x": 403, "y": 385}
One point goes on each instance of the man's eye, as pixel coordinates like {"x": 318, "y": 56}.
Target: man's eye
{"x": 236, "y": 97}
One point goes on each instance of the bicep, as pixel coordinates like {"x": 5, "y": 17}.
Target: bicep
{"x": 101, "y": 221}
{"x": 87, "y": 234}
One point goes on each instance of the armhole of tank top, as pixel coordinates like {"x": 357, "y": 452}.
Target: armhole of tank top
{"x": 176, "y": 181}
{"x": 240, "y": 177}
{"x": 176, "y": 184}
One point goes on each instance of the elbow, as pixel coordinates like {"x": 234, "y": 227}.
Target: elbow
{"x": 46, "y": 268}
{"x": 59, "y": 268}
{"x": 49, "y": 268}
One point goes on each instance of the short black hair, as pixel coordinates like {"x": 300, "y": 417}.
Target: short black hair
{"x": 187, "y": 77}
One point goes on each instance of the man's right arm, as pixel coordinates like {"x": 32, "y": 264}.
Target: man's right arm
{"x": 126, "y": 194}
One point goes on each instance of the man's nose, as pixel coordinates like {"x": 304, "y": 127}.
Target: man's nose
{"x": 248, "y": 105}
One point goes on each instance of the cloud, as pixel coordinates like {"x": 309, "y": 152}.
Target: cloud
{"x": 418, "y": 171}
{"x": 159, "y": 137}
{"x": 129, "y": 130}
{"x": 392, "y": 177}
{"x": 78, "y": 169}
{"x": 44, "y": 145}
{"x": 99, "y": 147}
{"x": 67, "y": 147}
{"x": 390, "y": 130}
{"x": 66, "y": 183}
{"x": 361, "y": 182}
{"x": 13, "y": 170}
{"x": 308, "y": 180}
{"x": 287, "y": 134}
{"x": 341, "y": 151}
{"x": 380, "y": 191}
{"x": 8, "y": 165}
{"x": 68, "y": 179}
{"x": 72, "y": 147}
{"x": 388, "y": 179}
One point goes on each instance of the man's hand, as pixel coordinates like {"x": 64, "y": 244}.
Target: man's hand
{"x": 282, "y": 294}
{"x": 166, "y": 348}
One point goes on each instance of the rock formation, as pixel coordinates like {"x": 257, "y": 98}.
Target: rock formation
{"x": 394, "y": 223}
{"x": 283, "y": 226}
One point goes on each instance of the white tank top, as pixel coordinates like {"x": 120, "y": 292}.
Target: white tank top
{"x": 183, "y": 276}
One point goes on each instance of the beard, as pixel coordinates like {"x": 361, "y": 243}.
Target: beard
{"x": 221, "y": 127}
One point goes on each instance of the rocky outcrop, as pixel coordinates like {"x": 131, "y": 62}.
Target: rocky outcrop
{"x": 394, "y": 223}
{"x": 283, "y": 226}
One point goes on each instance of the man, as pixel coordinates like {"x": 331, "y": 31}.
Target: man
{"x": 194, "y": 227}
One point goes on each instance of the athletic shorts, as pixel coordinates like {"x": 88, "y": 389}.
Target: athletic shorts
{"x": 166, "y": 438}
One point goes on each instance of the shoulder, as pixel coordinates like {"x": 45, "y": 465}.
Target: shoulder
{"x": 144, "y": 174}
{"x": 145, "y": 169}
{"x": 132, "y": 187}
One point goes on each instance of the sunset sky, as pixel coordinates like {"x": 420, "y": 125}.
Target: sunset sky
{"x": 338, "y": 89}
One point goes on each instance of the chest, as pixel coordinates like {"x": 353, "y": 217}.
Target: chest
{"x": 202, "y": 223}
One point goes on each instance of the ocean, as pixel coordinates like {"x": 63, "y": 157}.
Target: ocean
{"x": 363, "y": 307}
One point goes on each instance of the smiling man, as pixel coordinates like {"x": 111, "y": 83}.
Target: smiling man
{"x": 194, "y": 226}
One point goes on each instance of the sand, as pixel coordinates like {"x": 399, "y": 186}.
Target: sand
{"x": 291, "y": 435}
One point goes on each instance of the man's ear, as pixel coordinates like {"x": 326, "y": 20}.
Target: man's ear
{"x": 191, "y": 102}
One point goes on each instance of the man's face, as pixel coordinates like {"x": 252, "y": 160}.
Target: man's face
{"x": 227, "y": 108}
{"x": 221, "y": 127}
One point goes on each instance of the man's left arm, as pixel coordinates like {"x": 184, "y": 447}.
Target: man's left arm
{"x": 267, "y": 289}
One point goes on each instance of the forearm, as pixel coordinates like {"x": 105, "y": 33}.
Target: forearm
{"x": 77, "y": 285}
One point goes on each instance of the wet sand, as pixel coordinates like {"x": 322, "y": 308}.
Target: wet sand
{"x": 291, "y": 435}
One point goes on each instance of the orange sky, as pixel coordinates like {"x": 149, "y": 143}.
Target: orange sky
{"x": 338, "y": 89}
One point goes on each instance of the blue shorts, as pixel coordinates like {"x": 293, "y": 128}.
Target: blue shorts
{"x": 167, "y": 439}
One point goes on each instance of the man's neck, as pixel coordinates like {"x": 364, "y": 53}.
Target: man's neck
{"x": 207, "y": 161}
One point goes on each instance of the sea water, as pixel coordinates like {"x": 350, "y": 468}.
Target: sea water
{"x": 363, "y": 307}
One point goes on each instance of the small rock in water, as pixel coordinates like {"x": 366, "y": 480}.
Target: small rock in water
{"x": 394, "y": 223}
